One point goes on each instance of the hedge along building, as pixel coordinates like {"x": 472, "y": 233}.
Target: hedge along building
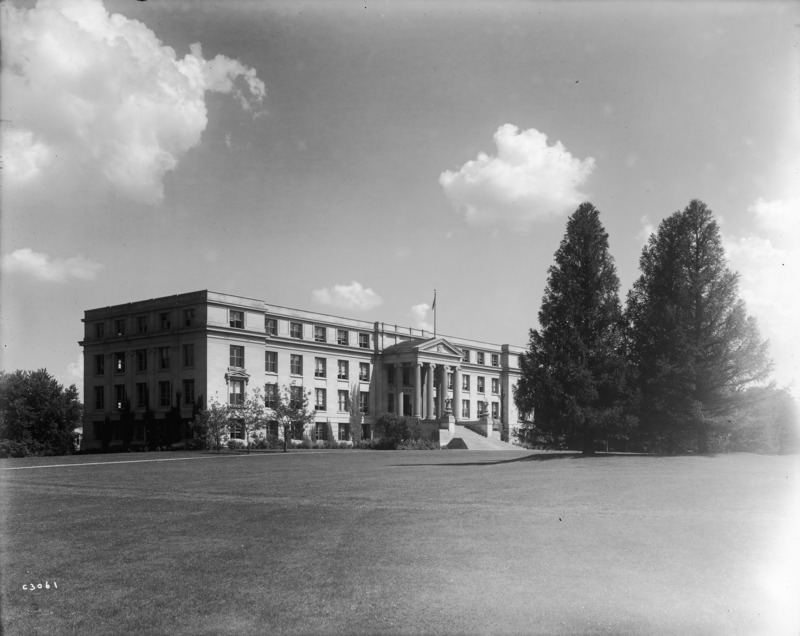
{"x": 164, "y": 354}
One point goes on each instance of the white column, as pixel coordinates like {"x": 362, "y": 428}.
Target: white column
{"x": 418, "y": 389}
{"x": 398, "y": 380}
{"x": 429, "y": 391}
{"x": 457, "y": 393}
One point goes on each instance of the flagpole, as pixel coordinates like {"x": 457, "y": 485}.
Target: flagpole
{"x": 434, "y": 313}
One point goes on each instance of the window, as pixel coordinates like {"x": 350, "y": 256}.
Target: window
{"x": 188, "y": 392}
{"x": 449, "y": 380}
{"x": 363, "y": 340}
{"x": 464, "y": 408}
{"x": 236, "y": 393}
{"x": 320, "y": 368}
{"x": 271, "y": 395}
{"x": 390, "y": 375}
{"x": 296, "y": 397}
{"x": 119, "y": 326}
{"x": 99, "y": 397}
{"x": 99, "y": 330}
{"x": 495, "y": 410}
{"x": 321, "y": 429}
{"x": 271, "y": 361}
{"x": 188, "y": 317}
{"x": 188, "y": 355}
{"x": 119, "y": 395}
{"x": 465, "y": 382}
{"x": 344, "y": 400}
{"x": 165, "y": 393}
{"x": 363, "y": 371}
{"x": 271, "y": 326}
{"x": 296, "y": 364}
{"x": 466, "y": 355}
{"x": 342, "y": 337}
{"x": 406, "y": 376}
{"x": 141, "y": 394}
{"x": 141, "y": 359}
{"x": 481, "y": 407}
{"x": 320, "y": 399}
{"x": 363, "y": 401}
{"x": 296, "y": 330}
{"x": 495, "y": 386}
{"x": 390, "y": 403}
{"x": 344, "y": 431}
{"x": 141, "y": 324}
{"x": 99, "y": 364}
{"x": 481, "y": 384}
{"x": 236, "y": 319}
{"x": 320, "y": 334}
{"x": 163, "y": 358}
{"x": 298, "y": 430}
{"x": 165, "y": 321}
{"x": 237, "y": 356}
{"x": 344, "y": 370}
{"x": 237, "y": 429}
{"x": 481, "y": 359}
{"x": 495, "y": 360}
{"x": 119, "y": 363}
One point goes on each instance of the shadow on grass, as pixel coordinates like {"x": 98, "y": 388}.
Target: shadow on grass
{"x": 534, "y": 457}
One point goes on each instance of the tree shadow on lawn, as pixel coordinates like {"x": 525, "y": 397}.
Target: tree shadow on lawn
{"x": 535, "y": 457}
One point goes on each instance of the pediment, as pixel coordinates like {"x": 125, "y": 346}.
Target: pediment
{"x": 439, "y": 347}
{"x": 235, "y": 373}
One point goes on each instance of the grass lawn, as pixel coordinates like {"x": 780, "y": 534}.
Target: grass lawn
{"x": 446, "y": 542}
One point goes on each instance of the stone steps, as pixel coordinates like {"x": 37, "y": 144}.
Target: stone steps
{"x": 478, "y": 442}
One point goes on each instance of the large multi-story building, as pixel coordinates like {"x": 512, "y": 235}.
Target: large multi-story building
{"x": 161, "y": 356}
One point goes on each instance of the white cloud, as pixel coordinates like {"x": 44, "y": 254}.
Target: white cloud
{"x": 39, "y": 266}
{"x": 647, "y": 229}
{"x": 420, "y": 313}
{"x": 527, "y": 181}
{"x": 74, "y": 374}
{"x": 768, "y": 262}
{"x": 90, "y": 95}
{"x": 353, "y": 296}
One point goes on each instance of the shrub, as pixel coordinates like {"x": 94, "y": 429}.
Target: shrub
{"x": 10, "y": 448}
{"x": 419, "y": 444}
{"x": 235, "y": 444}
{"x": 306, "y": 443}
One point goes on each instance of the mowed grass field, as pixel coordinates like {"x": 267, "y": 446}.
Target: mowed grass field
{"x": 450, "y": 542}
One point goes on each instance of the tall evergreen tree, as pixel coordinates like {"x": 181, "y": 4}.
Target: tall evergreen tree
{"x": 694, "y": 347}
{"x": 573, "y": 373}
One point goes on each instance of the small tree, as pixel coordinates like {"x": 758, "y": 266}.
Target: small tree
{"x": 292, "y": 408}
{"x": 354, "y": 408}
{"x": 212, "y": 423}
{"x": 251, "y": 415}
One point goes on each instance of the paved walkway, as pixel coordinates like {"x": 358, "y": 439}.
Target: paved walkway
{"x": 479, "y": 442}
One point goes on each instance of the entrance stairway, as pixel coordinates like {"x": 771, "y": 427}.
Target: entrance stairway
{"x": 474, "y": 441}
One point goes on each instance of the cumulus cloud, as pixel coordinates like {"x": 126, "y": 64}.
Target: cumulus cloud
{"x": 92, "y": 95}
{"x": 768, "y": 262}
{"x": 526, "y": 181}
{"x": 40, "y": 267}
{"x": 647, "y": 229}
{"x": 420, "y": 314}
{"x": 353, "y": 297}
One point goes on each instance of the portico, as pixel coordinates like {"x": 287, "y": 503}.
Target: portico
{"x": 418, "y": 374}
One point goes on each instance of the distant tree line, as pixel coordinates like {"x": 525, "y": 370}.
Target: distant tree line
{"x": 681, "y": 368}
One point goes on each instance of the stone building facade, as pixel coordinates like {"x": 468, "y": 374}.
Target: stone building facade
{"x": 165, "y": 354}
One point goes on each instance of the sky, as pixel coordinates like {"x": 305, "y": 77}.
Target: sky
{"x": 351, "y": 157}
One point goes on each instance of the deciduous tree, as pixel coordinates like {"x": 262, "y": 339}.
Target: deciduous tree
{"x": 694, "y": 347}
{"x": 356, "y": 417}
{"x": 573, "y": 373}
{"x": 292, "y": 409}
{"x": 37, "y": 414}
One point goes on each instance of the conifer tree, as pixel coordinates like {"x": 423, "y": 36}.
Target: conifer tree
{"x": 573, "y": 373}
{"x": 692, "y": 343}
